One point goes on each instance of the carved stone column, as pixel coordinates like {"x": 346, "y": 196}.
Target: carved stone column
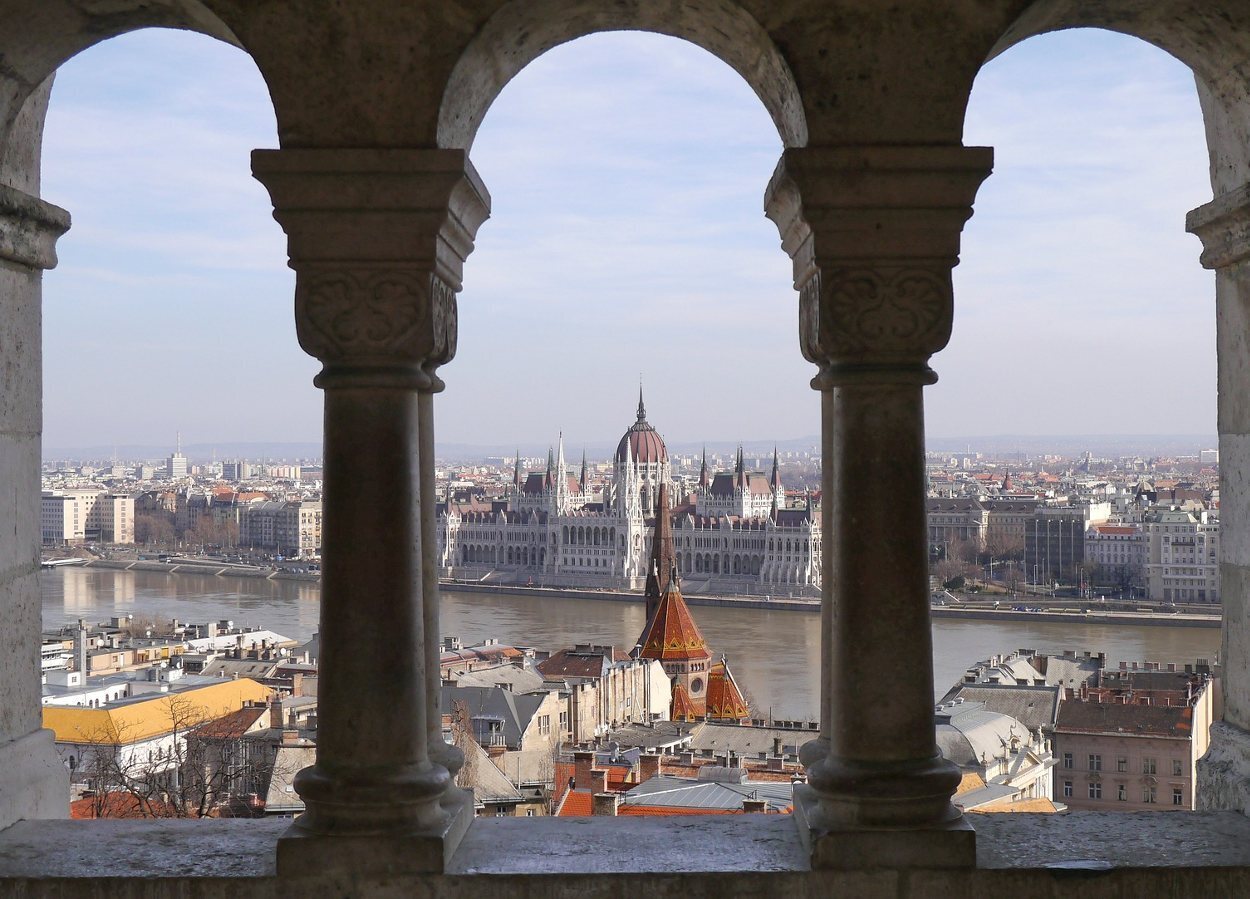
{"x": 377, "y": 239}
{"x": 1223, "y": 225}
{"x": 33, "y": 781}
{"x": 874, "y": 233}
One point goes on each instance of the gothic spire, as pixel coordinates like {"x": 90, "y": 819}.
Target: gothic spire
{"x": 663, "y": 561}
{"x": 776, "y": 478}
{"x": 642, "y": 410}
{"x": 703, "y": 477}
{"x": 582, "y": 480}
{"x": 516, "y": 469}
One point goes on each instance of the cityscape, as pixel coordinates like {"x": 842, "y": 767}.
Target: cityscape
{"x": 169, "y": 718}
{"x": 676, "y": 449}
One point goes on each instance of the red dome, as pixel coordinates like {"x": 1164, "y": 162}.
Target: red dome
{"x": 644, "y": 443}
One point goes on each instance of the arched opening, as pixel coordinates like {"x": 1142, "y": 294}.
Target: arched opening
{"x": 1099, "y": 153}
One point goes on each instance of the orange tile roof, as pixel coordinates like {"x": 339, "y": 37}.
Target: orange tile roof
{"x": 577, "y": 804}
{"x": 671, "y": 635}
{"x": 724, "y": 699}
{"x": 683, "y": 707}
{"x": 658, "y": 811}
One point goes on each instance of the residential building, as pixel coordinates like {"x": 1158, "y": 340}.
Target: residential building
{"x": 1184, "y": 555}
{"x": 1009, "y": 762}
{"x": 1131, "y": 740}
{"x": 605, "y": 689}
{"x": 88, "y": 515}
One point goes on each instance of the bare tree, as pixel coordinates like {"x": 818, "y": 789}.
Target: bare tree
{"x": 186, "y": 772}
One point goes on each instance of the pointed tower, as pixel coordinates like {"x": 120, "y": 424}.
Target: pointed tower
{"x": 663, "y": 562}
{"x": 582, "y": 481}
{"x": 560, "y": 494}
{"x": 516, "y": 472}
{"x": 550, "y": 477}
{"x": 704, "y": 477}
{"x": 673, "y": 639}
{"x": 774, "y": 482}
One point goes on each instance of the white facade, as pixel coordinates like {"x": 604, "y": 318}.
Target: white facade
{"x": 1184, "y": 549}
{"x": 555, "y": 529}
{"x": 86, "y": 515}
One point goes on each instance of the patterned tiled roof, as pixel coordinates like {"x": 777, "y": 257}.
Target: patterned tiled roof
{"x": 724, "y": 700}
{"x": 671, "y": 635}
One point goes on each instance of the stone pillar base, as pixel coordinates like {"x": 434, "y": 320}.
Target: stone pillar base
{"x": 33, "y": 781}
{"x": 1224, "y": 772}
{"x": 950, "y": 844}
{"x": 301, "y": 853}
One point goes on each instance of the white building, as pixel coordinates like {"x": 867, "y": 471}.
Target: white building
{"x": 1184, "y": 553}
{"x": 732, "y": 534}
{"x": 87, "y": 515}
{"x": 1121, "y": 552}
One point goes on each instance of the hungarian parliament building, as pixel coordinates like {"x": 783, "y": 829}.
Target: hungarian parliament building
{"x": 732, "y": 532}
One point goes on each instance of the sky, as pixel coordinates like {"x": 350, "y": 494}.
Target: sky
{"x": 627, "y": 242}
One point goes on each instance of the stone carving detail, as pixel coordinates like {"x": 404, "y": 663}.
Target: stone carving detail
{"x": 385, "y": 317}
{"x": 870, "y": 315}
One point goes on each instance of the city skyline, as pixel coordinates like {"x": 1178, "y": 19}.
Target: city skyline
{"x": 628, "y": 238}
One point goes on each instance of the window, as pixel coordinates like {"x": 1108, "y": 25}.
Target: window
{"x": 1121, "y": 763}
{"x": 1067, "y": 789}
{"x": 1067, "y": 760}
{"x": 1178, "y": 768}
{"x": 1178, "y": 796}
{"x": 1095, "y": 762}
{"x": 1149, "y": 795}
{"x": 1122, "y": 793}
{"x": 1095, "y": 791}
{"x": 1148, "y": 766}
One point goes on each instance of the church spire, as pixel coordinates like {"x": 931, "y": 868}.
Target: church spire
{"x": 551, "y": 474}
{"x": 516, "y": 469}
{"x": 663, "y": 562}
{"x": 703, "y": 476}
{"x": 776, "y": 478}
{"x": 582, "y": 480}
{"x": 642, "y": 410}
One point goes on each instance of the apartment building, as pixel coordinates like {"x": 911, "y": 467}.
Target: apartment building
{"x": 88, "y": 515}
{"x": 1184, "y": 555}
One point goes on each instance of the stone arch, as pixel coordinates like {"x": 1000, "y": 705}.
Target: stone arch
{"x": 1212, "y": 38}
{"x": 33, "y": 47}
{"x": 724, "y": 29}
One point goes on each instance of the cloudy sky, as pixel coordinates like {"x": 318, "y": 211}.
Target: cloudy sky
{"x": 627, "y": 241}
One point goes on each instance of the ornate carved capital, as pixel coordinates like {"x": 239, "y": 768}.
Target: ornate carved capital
{"x": 862, "y": 322}
{"x": 874, "y": 233}
{"x": 381, "y": 326}
{"x": 29, "y": 229}
{"x": 378, "y": 241}
{"x": 1223, "y": 226}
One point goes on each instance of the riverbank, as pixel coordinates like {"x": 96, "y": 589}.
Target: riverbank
{"x": 810, "y": 605}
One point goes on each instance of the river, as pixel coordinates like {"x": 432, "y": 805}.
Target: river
{"x": 774, "y": 655}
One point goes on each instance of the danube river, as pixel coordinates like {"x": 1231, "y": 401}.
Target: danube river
{"x": 775, "y": 655}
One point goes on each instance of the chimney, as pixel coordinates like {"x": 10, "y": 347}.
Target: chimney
{"x": 776, "y": 763}
{"x": 756, "y": 806}
{"x": 777, "y": 747}
{"x": 599, "y": 780}
{"x": 297, "y": 684}
{"x": 648, "y": 767}
{"x": 290, "y": 736}
{"x": 604, "y": 804}
{"x": 685, "y": 758}
{"x": 275, "y": 712}
{"x": 583, "y": 761}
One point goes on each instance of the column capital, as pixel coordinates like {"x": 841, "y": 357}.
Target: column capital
{"x": 874, "y": 233}
{"x": 1223, "y": 226}
{"x": 29, "y": 229}
{"x": 378, "y": 241}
